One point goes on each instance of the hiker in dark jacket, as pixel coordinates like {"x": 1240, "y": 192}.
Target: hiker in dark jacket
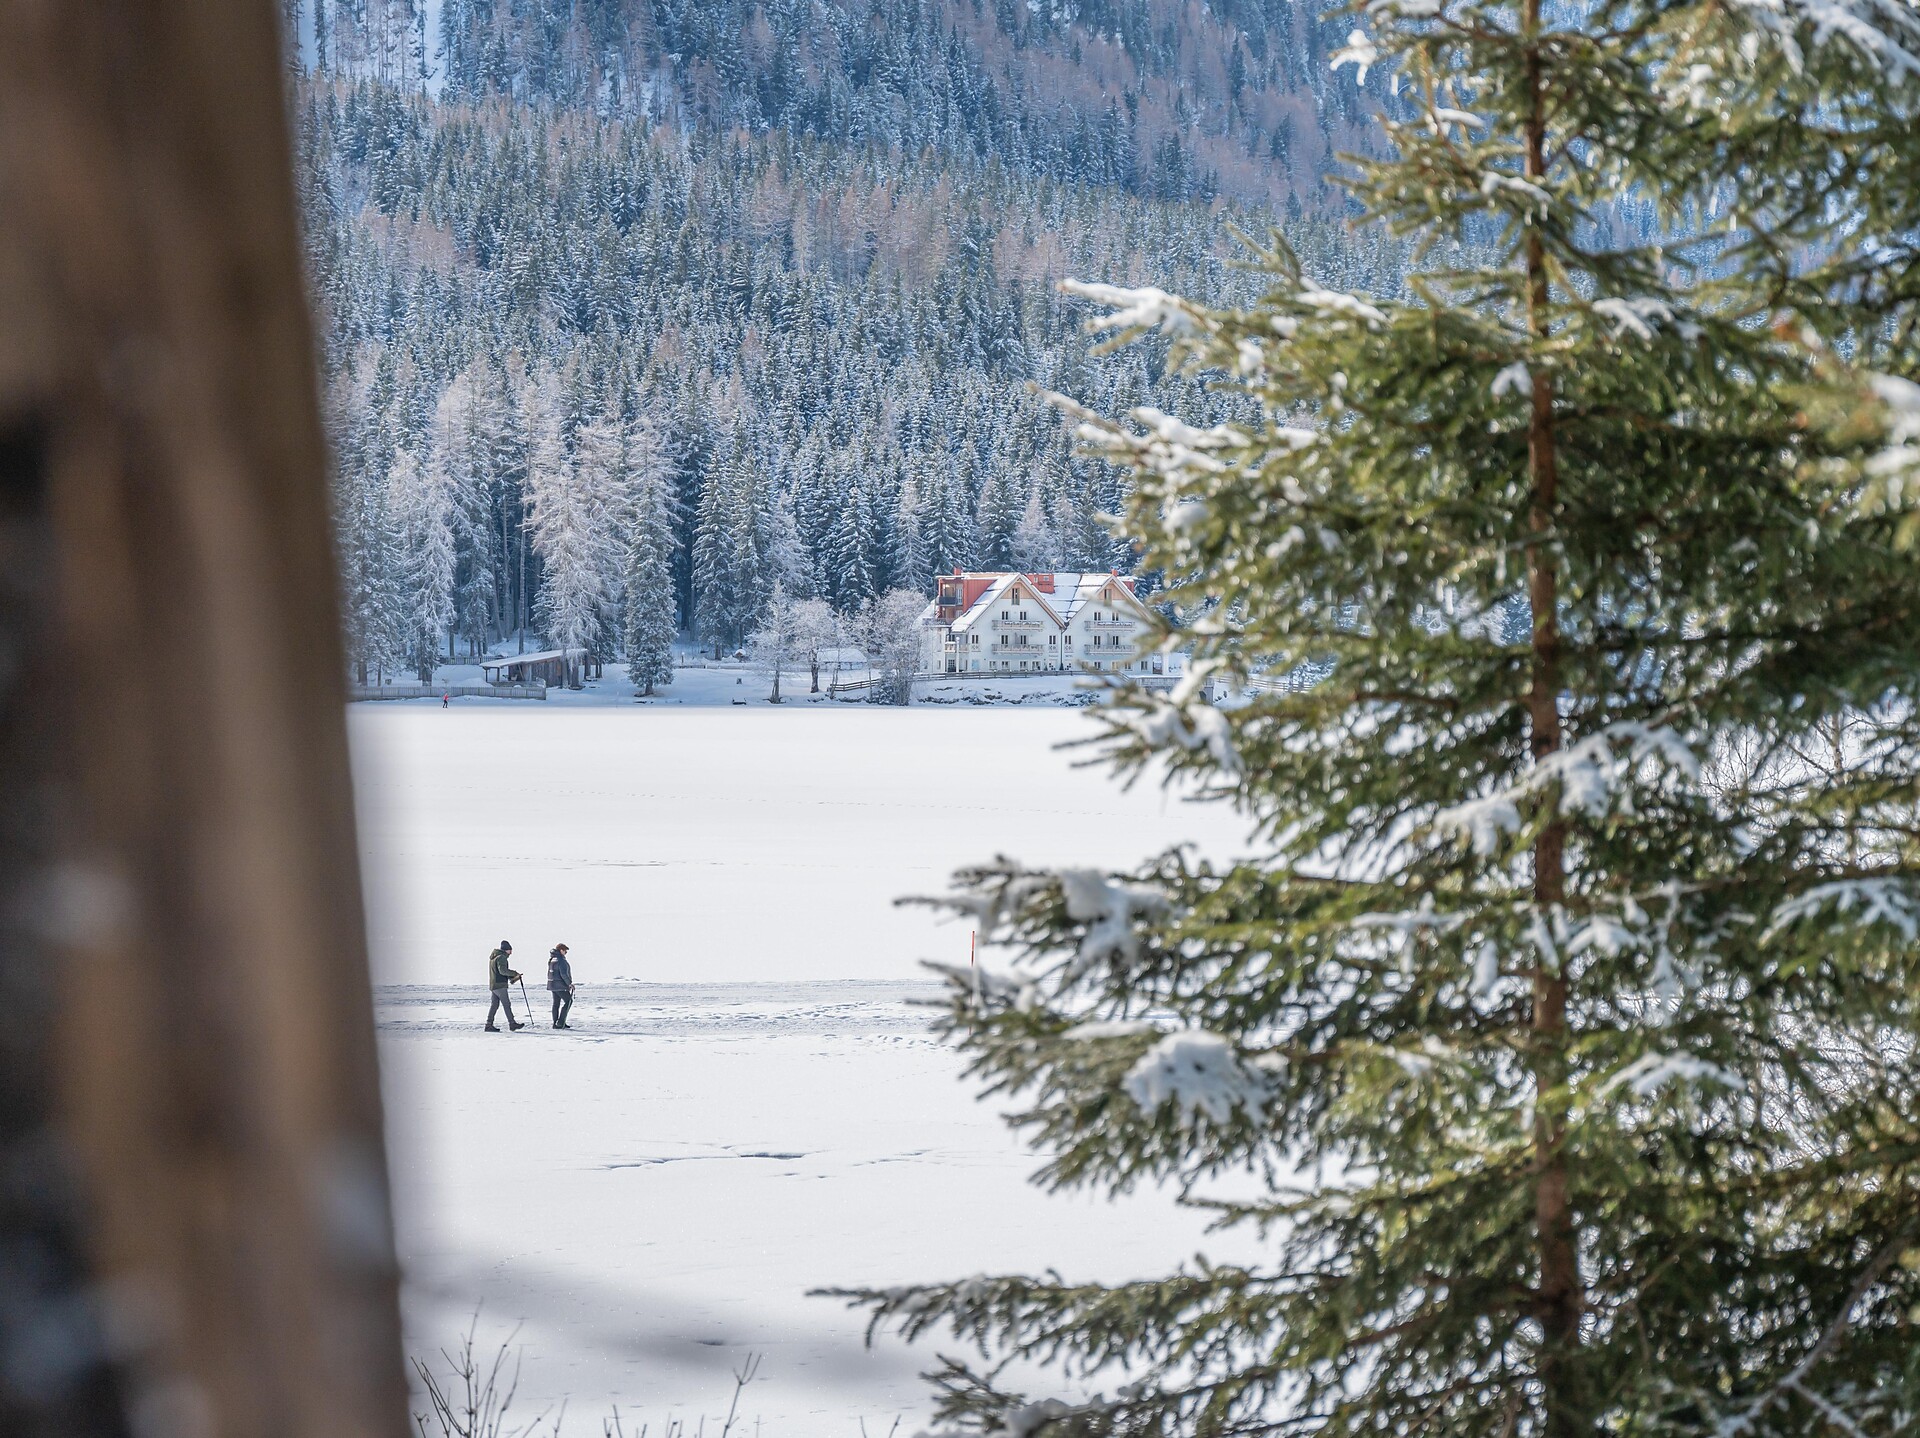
{"x": 500, "y": 973}
{"x": 560, "y": 980}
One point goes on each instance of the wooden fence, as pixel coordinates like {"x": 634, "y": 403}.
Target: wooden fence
{"x": 457, "y": 691}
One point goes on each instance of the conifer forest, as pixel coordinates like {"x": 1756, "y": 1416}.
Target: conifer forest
{"x": 768, "y": 287}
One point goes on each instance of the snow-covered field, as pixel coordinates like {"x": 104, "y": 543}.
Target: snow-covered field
{"x": 750, "y": 1106}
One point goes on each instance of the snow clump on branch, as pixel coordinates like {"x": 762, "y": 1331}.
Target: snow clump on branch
{"x": 1641, "y": 316}
{"x": 1108, "y": 909}
{"x": 1333, "y": 302}
{"x": 1198, "y": 1072}
{"x": 1516, "y": 378}
{"x": 1140, "y": 309}
{"x": 1358, "y": 51}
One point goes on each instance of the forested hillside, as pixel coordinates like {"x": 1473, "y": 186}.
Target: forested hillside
{"x": 577, "y": 305}
{"x": 1172, "y": 98}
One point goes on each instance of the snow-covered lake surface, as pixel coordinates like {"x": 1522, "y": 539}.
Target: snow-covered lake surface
{"x": 750, "y": 1106}
{"x": 707, "y": 844}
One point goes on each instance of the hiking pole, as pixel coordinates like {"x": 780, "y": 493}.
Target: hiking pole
{"x": 528, "y": 1002}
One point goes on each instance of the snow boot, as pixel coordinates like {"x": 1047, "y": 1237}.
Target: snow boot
{"x": 514, "y": 1026}
{"x": 493, "y": 1028}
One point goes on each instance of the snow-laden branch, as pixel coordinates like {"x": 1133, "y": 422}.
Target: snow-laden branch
{"x": 1492, "y": 182}
{"x": 1441, "y": 116}
{"x": 1588, "y": 774}
{"x": 1169, "y": 447}
{"x": 1885, "y": 33}
{"x": 1742, "y": 1423}
{"x": 1342, "y": 306}
{"x": 1894, "y": 472}
{"x": 1650, "y": 1073}
{"x": 1879, "y": 901}
{"x": 1180, "y": 720}
{"x": 1108, "y": 908}
{"x": 1358, "y": 51}
{"x": 1145, "y": 308}
{"x": 1198, "y": 1072}
{"x": 1641, "y": 315}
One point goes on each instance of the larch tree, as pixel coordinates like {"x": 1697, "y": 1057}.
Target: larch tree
{"x": 1571, "y": 1021}
{"x": 776, "y": 642}
{"x": 890, "y": 633}
{"x": 818, "y": 629}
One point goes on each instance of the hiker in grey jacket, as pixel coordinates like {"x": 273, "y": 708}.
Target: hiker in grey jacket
{"x": 501, "y": 973}
{"x": 560, "y": 981}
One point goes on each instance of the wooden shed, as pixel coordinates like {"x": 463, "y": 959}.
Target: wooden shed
{"x": 548, "y": 666}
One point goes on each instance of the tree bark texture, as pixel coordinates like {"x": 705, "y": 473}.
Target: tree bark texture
{"x": 1561, "y": 1299}
{"x": 177, "y": 860}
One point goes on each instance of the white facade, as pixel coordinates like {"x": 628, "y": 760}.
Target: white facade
{"x": 1059, "y": 623}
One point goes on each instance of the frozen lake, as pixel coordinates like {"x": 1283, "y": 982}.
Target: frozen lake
{"x": 719, "y": 844}
{"x": 750, "y": 1106}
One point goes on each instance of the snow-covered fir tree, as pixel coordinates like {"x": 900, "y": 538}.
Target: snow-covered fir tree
{"x": 649, "y": 607}
{"x": 571, "y": 530}
{"x": 1570, "y": 1028}
{"x": 730, "y": 575}
{"x": 420, "y": 503}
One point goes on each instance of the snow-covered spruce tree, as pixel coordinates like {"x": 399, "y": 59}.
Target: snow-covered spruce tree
{"x": 420, "y": 499}
{"x": 650, "y": 612}
{"x": 574, "y": 538}
{"x": 1571, "y": 1021}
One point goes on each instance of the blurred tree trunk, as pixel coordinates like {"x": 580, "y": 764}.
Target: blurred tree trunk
{"x": 194, "y": 1225}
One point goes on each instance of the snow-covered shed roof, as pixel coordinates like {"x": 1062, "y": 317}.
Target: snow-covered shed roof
{"x": 501, "y": 661}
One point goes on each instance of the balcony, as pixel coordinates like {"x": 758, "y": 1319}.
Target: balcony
{"x": 1019, "y": 624}
{"x": 1112, "y": 624}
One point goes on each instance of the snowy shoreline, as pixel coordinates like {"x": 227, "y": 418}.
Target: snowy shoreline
{"x": 729, "y": 684}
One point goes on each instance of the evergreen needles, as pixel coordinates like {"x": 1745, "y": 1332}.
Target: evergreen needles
{"x": 1570, "y": 1017}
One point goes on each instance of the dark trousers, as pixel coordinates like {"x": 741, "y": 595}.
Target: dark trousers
{"x": 562, "y": 1006}
{"x": 502, "y": 999}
